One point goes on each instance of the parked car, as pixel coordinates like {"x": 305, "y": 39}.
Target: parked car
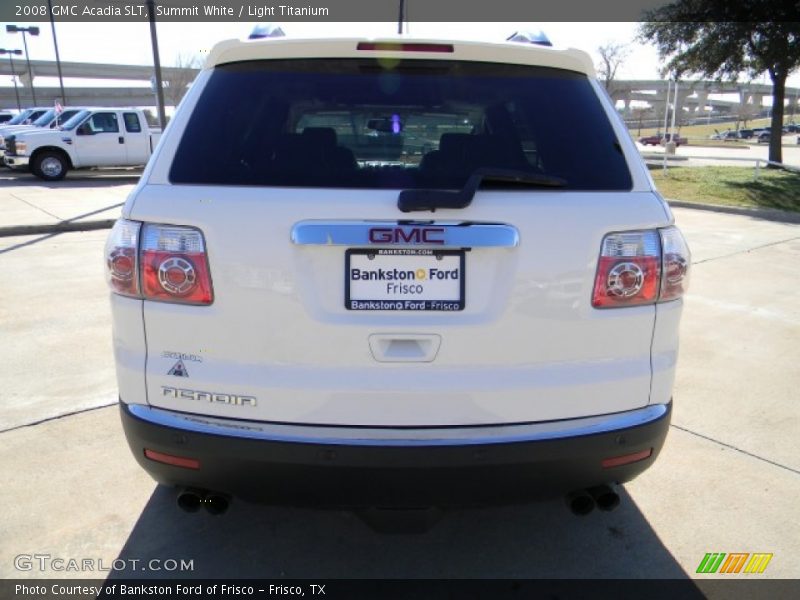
{"x": 98, "y": 137}
{"x": 746, "y": 134}
{"x": 301, "y": 317}
{"x": 763, "y": 137}
{"x": 660, "y": 139}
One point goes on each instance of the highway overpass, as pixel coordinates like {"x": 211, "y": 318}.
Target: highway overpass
{"x": 693, "y": 96}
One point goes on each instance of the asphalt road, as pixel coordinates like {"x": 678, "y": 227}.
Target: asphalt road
{"x": 727, "y": 480}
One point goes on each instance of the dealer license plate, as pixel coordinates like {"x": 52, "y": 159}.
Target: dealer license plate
{"x": 404, "y": 279}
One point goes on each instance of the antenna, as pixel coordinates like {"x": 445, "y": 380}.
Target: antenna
{"x": 401, "y": 16}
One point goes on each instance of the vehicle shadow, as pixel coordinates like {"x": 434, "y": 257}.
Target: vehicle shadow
{"x": 542, "y": 540}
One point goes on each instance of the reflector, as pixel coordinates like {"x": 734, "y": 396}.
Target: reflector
{"x": 626, "y": 459}
{"x": 169, "y": 459}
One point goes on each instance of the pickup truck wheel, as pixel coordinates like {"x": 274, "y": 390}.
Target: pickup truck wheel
{"x": 50, "y": 166}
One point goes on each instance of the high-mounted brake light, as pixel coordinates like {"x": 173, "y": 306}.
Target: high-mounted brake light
{"x": 158, "y": 262}
{"x": 403, "y": 47}
{"x": 174, "y": 265}
{"x": 641, "y": 267}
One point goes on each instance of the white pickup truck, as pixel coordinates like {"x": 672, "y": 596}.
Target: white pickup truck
{"x": 97, "y": 137}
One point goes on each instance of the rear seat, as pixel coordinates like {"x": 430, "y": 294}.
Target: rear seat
{"x": 460, "y": 154}
{"x": 316, "y": 146}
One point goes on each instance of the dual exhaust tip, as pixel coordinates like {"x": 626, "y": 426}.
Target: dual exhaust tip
{"x": 191, "y": 501}
{"x": 583, "y": 502}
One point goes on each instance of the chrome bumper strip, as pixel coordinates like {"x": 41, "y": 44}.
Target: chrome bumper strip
{"x": 380, "y": 436}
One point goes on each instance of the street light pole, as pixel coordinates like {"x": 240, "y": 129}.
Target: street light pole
{"x": 58, "y": 58}
{"x": 151, "y": 13}
{"x": 11, "y": 54}
{"x": 401, "y": 16}
{"x": 23, "y": 31}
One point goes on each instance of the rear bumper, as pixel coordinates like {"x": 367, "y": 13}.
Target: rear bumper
{"x": 360, "y": 467}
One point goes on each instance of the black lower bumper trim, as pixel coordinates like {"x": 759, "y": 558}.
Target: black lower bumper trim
{"x": 318, "y": 474}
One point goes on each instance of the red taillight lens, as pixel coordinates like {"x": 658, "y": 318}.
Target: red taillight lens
{"x": 676, "y": 262}
{"x": 121, "y": 258}
{"x": 629, "y": 270}
{"x": 158, "y": 262}
{"x": 641, "y": 267}
{"x": 174, "y": 265}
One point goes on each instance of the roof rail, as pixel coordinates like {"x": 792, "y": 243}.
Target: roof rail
{"x": 525, "y": 36}
{"x": 266, "y": 30}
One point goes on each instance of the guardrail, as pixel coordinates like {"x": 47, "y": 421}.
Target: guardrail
{"x": 756, "y": 168}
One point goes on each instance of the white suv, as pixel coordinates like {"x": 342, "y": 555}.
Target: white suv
{"x": 395, "y": 273}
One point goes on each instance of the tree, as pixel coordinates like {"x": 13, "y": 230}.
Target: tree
{"x": 745, "y": 112}
{"x": 612, "y": 55}
{"x": 180, "y": 77}
{"x": 639, "y": 113}
{"x": 720, "y": 38}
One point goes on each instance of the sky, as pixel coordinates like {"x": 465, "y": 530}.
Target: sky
{"x": 129, "y": 43}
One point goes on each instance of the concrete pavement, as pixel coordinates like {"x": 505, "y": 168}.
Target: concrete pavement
{"x": 81, "y": 198}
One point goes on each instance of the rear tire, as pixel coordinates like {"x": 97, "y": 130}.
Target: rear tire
{"x": 50, "y": 166}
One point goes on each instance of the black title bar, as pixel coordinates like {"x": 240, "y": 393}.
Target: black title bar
{"x": 522, "y": 11}
{"x": 382, "y": 589}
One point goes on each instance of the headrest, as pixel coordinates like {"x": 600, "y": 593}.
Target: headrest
{"x": 323, "y": 136}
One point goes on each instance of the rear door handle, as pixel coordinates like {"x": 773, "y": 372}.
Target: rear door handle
{"x": 121, "y": 140}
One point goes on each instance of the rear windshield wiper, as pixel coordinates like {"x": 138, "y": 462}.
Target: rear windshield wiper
{"x": 411, "y": 200}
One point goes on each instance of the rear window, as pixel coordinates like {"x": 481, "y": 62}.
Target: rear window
{"x": 364, "y": 123}
{"x": 132, "y": 124}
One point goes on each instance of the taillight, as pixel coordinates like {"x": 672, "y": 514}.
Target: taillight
{"x": 122, "y": 273}
{"x": 641, "y": 267}
{"x": 629, "y": 270}
{"x": 158, "y": 262}
{"x": 676, "y": 262}
{"x": 174, "y": 265}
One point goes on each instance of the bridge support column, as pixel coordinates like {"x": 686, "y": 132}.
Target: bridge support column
{"x": 702, "y": 99}
{"x": 25, "y": 78}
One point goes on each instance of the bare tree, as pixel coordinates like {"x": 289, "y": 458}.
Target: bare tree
{"x": 180, "y": 77}
{"x": 639, "y": 113}
{"x": 745, "y": 112}
{"x": 612, "y": 55}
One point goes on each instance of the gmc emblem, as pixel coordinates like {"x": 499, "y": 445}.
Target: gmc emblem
{"x": 409, "y": 235}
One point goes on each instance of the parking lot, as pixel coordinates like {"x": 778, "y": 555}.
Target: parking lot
{"x": 727, "y": 480}
{"x": 695, "y": 154}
